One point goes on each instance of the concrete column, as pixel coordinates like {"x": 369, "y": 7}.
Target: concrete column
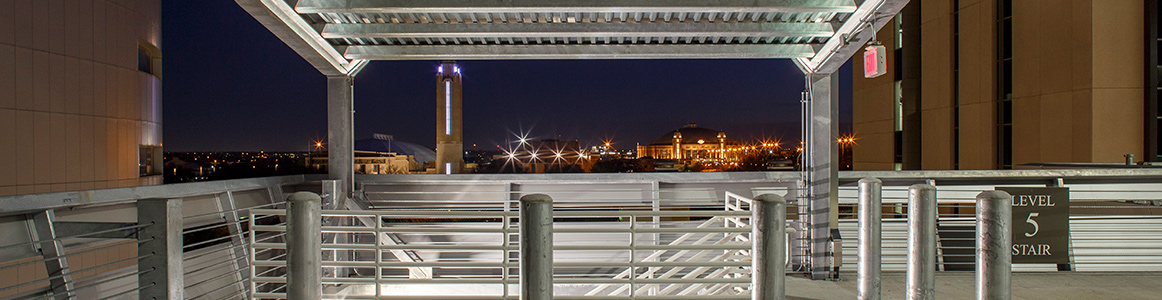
{"x": 921, "y": 273}
{"x": 162, "y": 268}
{"x": 870, "y": 213}
{"x": 341, "y": 133}
{"x": 304, "y": 246}
{"x": 822, "y": 161}
{"x": 536, "y": 247}
{"x": 994, "y": 262}
{"x": 769, "y": 219}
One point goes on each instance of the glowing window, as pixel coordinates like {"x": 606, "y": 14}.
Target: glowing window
{"x": 447, "y": 107}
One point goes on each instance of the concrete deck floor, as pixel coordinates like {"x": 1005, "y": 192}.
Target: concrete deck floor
{"x": 961, "y": 285}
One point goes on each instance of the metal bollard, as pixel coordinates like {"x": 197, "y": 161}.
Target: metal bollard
{"x": 870, "y": 256}
{"x": 921, "y": 274}
{"x": 769, "y": 219}
{"x": 994, "y": 262}
{"x": 536, "y": 247}
{"x": 304, "y": 246}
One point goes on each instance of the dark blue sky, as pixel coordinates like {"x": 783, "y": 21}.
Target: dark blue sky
{"x": 231, "y": 85}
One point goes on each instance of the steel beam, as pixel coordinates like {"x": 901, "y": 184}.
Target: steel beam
{"x": 52, "y": 249}
{"x": 163, "y": 276}
{"x": 573, "y": 51}
{"x": 288, "y": 26}
{"x": 565, "y": 6}
{"x": 575, "y": 30}
{"x": 340, "y": 135}
{"x": 852, "y": 35}
{"x": 238, "y": 255}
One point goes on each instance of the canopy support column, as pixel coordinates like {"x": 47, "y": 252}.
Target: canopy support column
{"x": 341, "y": 135}
{"x": 821, "y": 170}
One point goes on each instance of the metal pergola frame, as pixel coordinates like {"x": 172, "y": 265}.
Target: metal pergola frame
{"x": 339, "y": 38}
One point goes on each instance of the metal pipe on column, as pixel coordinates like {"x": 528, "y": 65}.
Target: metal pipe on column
{"x": 870, "y": 256}
{"x": 304, "y": 246}
{"x": 536, "y": 247}
{"x": 769, "y": 220}
{"x": 921, "y": 273}
{"x": 994, "y": 264}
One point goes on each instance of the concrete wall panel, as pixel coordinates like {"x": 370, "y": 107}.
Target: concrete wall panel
{"x": 1118, "y": 44}
{"x": 1056, "y": 131}
{"x": 25, "y": 147}
{"x": 23, "y": 76}
{"x": 1082, "y": 125}
{"x": 1026, "y": 130}
{"x": 8, "y": 167}
{"x": 1117, "y": 124}
{"x": 7, "y": 77}
{"x": 7, "y": 21}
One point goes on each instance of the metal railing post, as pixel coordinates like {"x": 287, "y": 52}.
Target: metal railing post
{"x": 536, "y": 247}
{"x": 53, "y": 249}
{"x": 870, "y": 257}
{"x": 162, "y": 277}
{"x": 304, "y": 246}
{"x": 994, "y": 271}
{"x": 769, "y": 219}
{"x": 921, "y": 273}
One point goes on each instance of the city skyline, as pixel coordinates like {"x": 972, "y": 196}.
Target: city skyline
{"x": 279, "y": 99}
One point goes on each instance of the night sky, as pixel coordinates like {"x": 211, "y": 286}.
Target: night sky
{"x": 231, "y": 85}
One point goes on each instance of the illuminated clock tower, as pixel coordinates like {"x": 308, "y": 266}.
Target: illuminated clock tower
{"x": 449, "y": 126}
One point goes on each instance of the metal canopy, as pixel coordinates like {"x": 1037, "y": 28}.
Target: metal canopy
{"x": 339, "y": 36}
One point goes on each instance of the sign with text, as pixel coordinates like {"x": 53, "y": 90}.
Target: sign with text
{"x": 1040, "y": 224}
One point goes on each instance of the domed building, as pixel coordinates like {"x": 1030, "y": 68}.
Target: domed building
{"x": 691, "y": 143}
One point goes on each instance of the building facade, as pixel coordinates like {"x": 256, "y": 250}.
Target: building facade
{"x": 382, "y": 154}
{"x": 997, "y": 84}
{"x": 694, "y": 144}
{"x": 80, "y": 95}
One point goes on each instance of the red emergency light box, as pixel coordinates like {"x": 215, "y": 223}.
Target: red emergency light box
{"x": 874, "y": 61}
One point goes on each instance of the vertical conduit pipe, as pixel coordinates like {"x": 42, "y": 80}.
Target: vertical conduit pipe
{"x": 768, "y": 231}
{"x": 921, "y": 273}
{"x": 536, "y": 247}
{"x": 304, "y": 246}
{"x": 994, "y": 271}
{"x": 870, "y": 257}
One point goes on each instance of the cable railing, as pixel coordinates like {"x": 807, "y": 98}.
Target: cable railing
{"x": 129, "y": 242}
{"x": 642, "y": 238}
